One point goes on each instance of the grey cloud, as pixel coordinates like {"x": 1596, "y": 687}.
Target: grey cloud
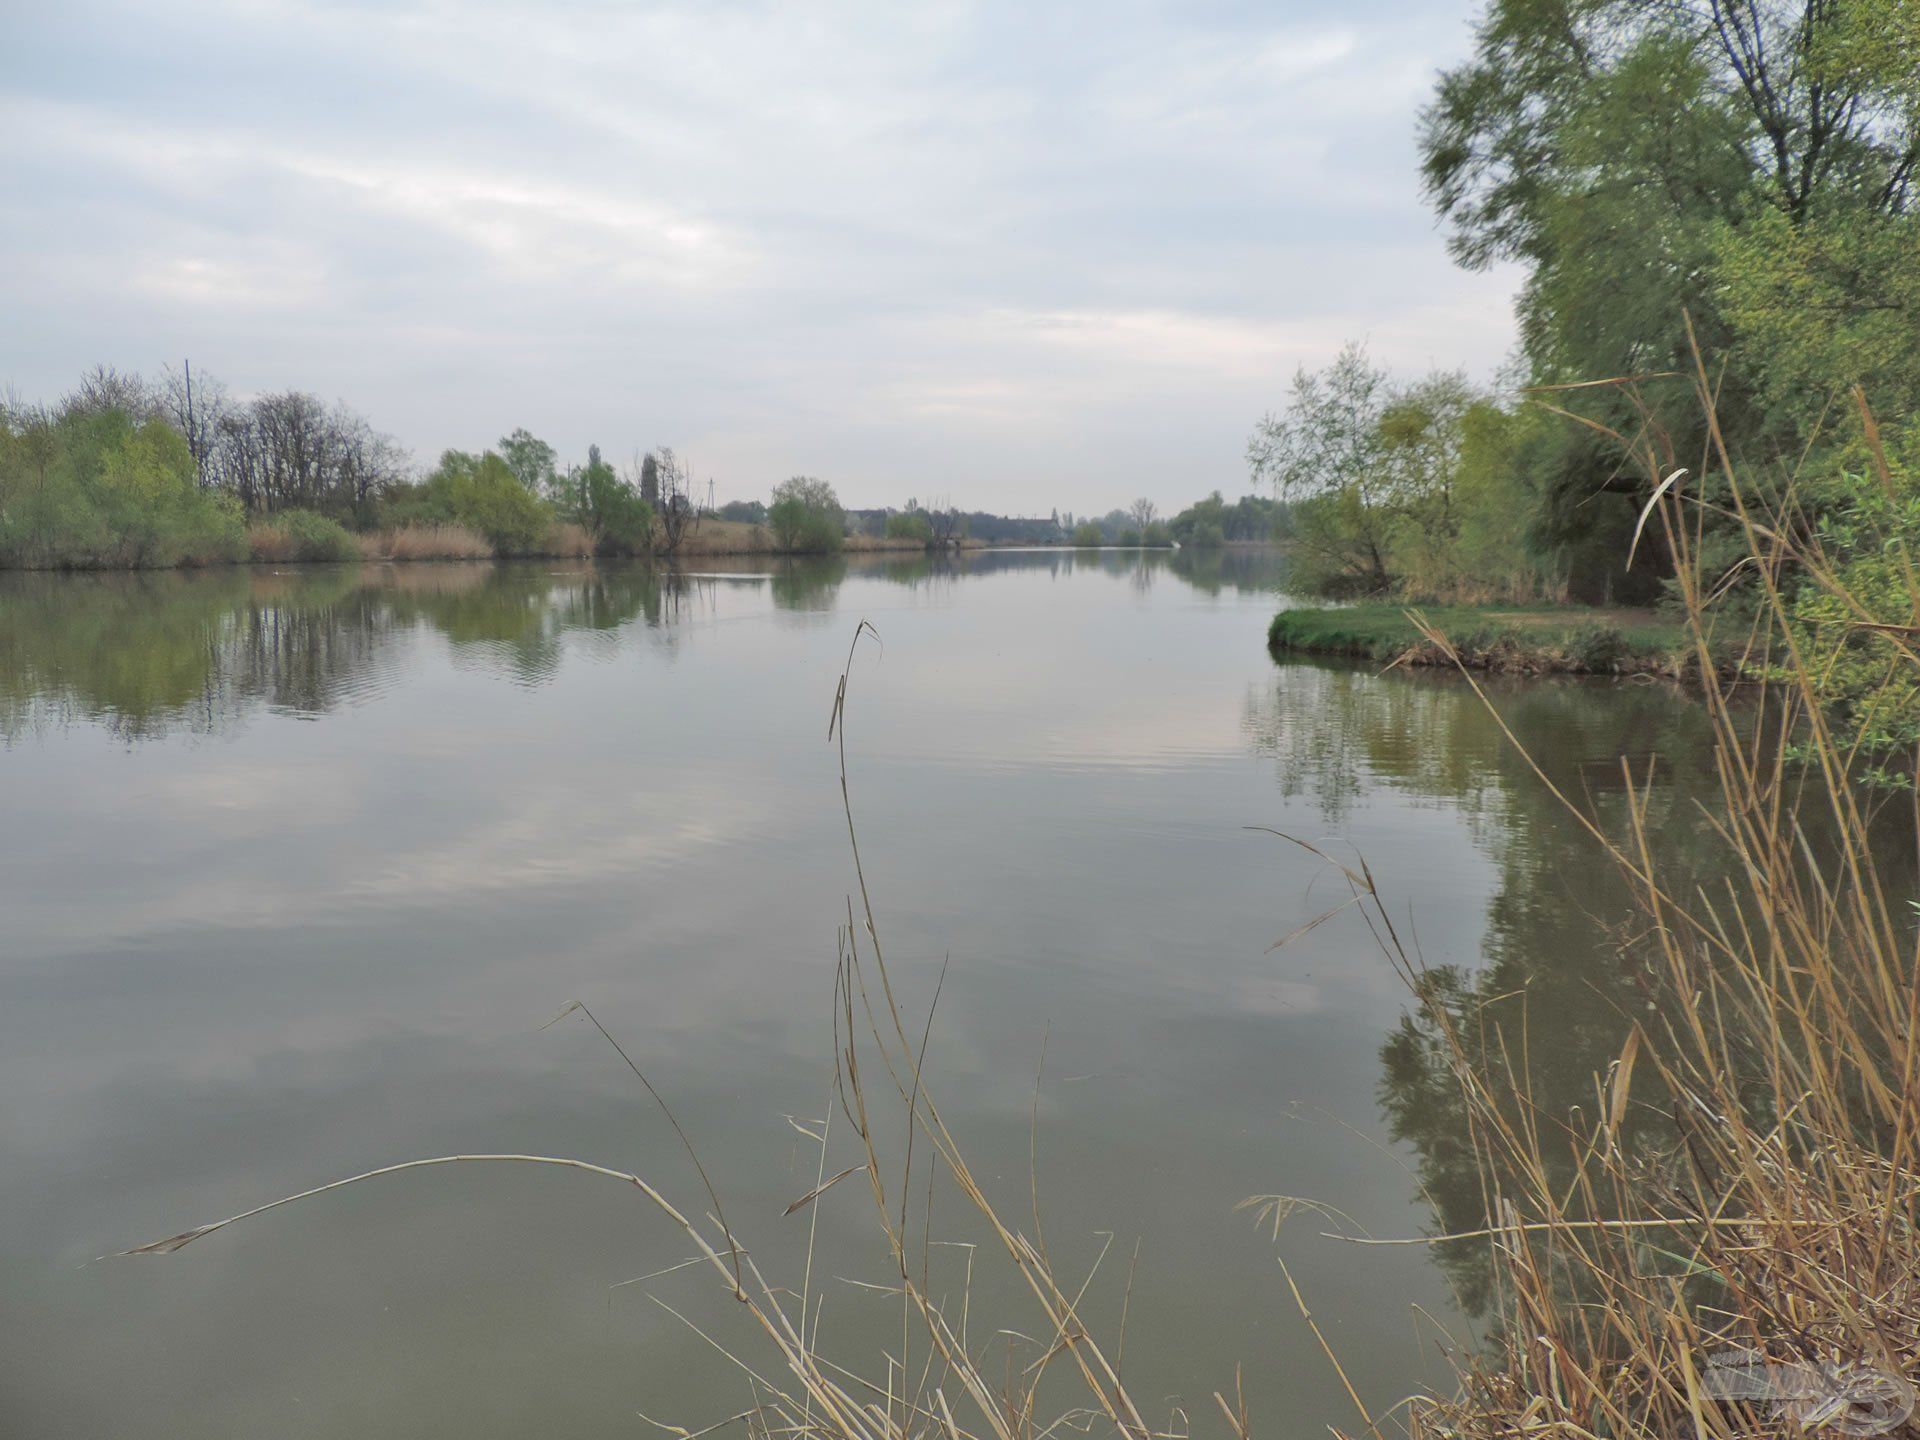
{"x": 1030, "y": 256}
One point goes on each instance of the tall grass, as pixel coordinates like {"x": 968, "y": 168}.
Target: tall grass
{"x": 301, "y": 537}
{"x": 1723, "y": 1241}
{"x": 426, "y": 542}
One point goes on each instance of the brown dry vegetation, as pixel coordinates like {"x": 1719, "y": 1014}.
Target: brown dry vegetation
{"x": 269, "y": 544}
{"x": 426, "y": 542}
{"x": 1745, "y": 1178}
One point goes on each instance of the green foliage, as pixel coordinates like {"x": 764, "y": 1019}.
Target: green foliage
{"x": 806, "y": 517}
{"x": 1868, "y": 578}
{"x": 910, "y": 525}
{"x": 531, "y": 459}
{"x": 746, "y": 512}
{"x": 1832, "y": 300}
{"x": 1494, "y": 638}
{"x": 1157, "y": 536}
{"x": 481, "y": 491}
{"x": 607, "y": 507}
{"x": 1413, "y": 488}
{"x": 106, "y": 488}
{"x": 1740, "y": 180}
{"x": 1129, "y": 540}
{"x": 1251, "y": 517}
{"x": 1088, "y": 535}
{"x": 315, "y": 538}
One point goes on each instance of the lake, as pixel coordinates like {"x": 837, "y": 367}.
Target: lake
{"x": 297, "y": 865}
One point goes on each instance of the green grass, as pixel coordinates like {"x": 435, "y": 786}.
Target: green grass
{"x": 1493, "y": 637}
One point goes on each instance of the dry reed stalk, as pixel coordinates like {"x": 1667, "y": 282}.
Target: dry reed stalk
{"x": 426, "y": 542}
{"x": 1745, "y": 1181}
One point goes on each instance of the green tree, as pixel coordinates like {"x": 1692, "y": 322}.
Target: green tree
{"x": 806, "y": 516}
{"x": 1331, "y": 453}
{"x": 97, "y": 485}
{"x": 910, "y": 524}
{"x": 482, "y": 492}
{"x": 1654, "y": 163}
{"x": 608, "y": 508}
{"x": 531, "y": 459}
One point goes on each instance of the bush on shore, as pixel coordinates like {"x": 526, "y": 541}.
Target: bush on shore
{"x": 96, "y": 489}
{"x": 910, "y": 525}
{"x": 301, "y": 536}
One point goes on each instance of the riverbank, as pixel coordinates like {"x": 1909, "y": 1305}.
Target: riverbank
{"x": 274, "y": 542}
{"x": 1540, "y": 641}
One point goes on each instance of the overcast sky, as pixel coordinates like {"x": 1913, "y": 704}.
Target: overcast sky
{"x": 1023, "y": 255}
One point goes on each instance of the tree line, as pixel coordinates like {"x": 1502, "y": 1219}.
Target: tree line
{"x": 124, "y": 471}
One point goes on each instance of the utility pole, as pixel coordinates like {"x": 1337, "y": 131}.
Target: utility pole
{"x": 193, "y": 429}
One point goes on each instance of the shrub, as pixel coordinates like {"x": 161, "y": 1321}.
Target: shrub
{"x": 302, "y": 536}
{"x": 107, "y": 488}
{"x": 482, "y": 492}
{"x": 1088, "y": 536}
{"x": 1207, "y": 536}
{"x": 1157, "y": 537}
{"x": 1129, "y": 539}
{"x": 910, "y": 525}
{"x": 1599, "y": 648}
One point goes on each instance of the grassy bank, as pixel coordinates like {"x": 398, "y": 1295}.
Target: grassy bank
{"x": 1558, "y": 640}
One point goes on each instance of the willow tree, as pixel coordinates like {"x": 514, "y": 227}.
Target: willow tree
{"x": 1648, "y": 162}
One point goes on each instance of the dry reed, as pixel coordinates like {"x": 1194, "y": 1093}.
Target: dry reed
{"x": 1722, "y": 1242}
{"x": 426, "y": 542}
{"x": 268, "y": 543}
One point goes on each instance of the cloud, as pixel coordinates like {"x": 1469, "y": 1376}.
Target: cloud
{"x": 1024, "y": 255}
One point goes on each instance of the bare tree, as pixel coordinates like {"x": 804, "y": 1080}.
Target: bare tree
{"x": 104, "y": 388}
{"x": 679, "y": 516}
{"x": 290, "y": 451}
{"x": 1143, "y": 512}
{"x": 946, "y": 524}
{"x": 197, "y": 407}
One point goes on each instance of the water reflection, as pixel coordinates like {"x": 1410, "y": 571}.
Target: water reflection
{"x": 1559, "y": 977}
{"x": 157, "y": 653}
{"x": 236, "y": 969}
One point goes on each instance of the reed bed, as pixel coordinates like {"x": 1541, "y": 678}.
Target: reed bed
{"x": 269, "y": 544}
{"x": 567, "y": 541}
{"x": 426, "y": 542}
{"x": 713, "y": 536}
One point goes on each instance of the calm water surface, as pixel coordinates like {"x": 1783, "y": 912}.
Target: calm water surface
{"x": 296, "y": 865}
